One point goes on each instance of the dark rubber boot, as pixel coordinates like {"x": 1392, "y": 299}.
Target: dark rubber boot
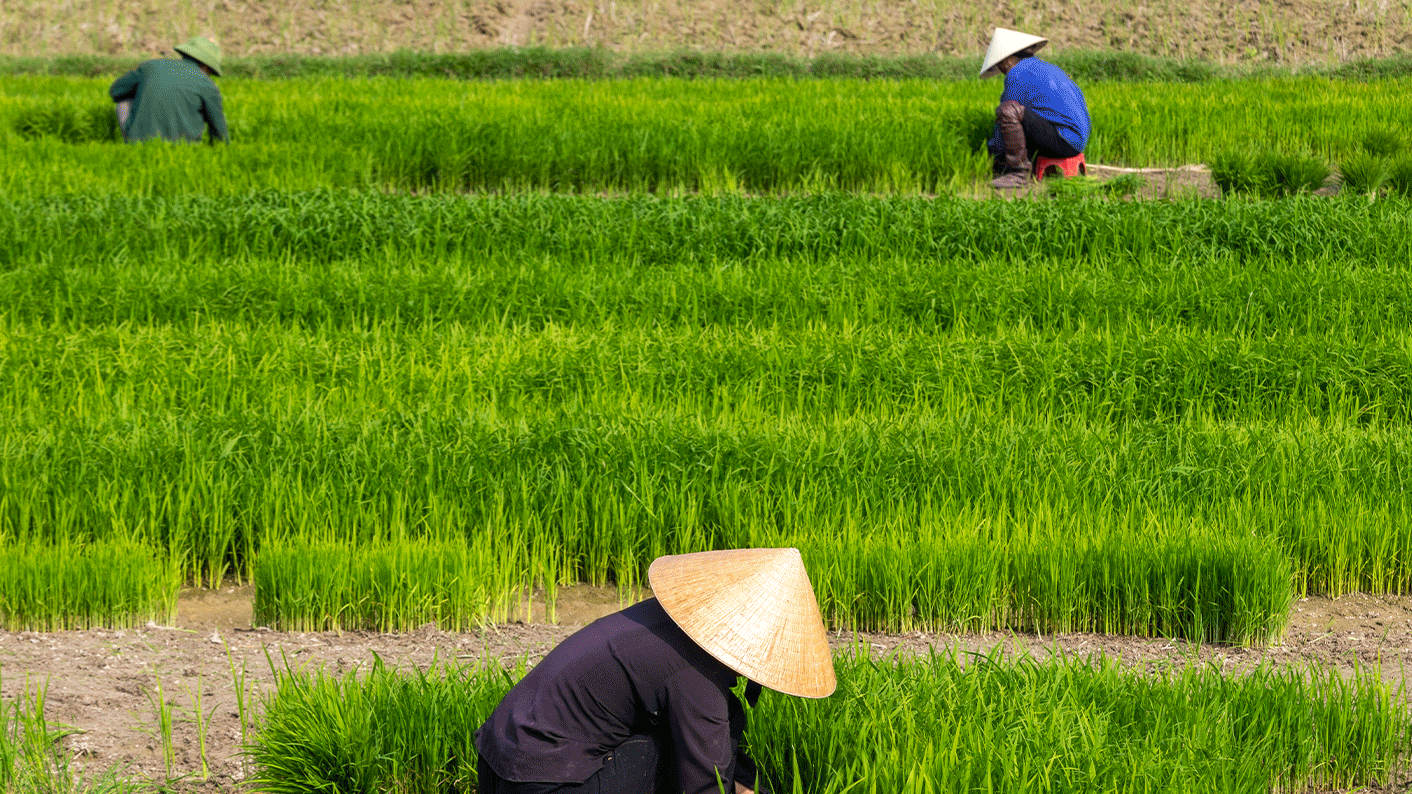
{"x": 1016, "y": 160}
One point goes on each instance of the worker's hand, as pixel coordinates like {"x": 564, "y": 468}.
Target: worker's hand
{"x": 739, "y": 789}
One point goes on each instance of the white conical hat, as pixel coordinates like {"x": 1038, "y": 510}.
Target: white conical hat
{"x": 754, "y": 611}
{"x": 1004, "y": 43}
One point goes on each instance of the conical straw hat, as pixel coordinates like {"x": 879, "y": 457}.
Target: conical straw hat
{"x": 752, "y": 609}
{"x": 1004, "y": 43}
{"x": 203, "y": 50}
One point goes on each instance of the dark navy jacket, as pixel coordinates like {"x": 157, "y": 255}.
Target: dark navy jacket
{"x": 631, "y": 673}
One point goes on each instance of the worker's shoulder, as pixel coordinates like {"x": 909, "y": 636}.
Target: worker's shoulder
{"x": 1035, "y": 68}
{"x": 176, "y": 70}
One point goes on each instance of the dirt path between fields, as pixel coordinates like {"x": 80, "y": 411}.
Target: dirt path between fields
{"x": 1179, "y": 182}
{"x": 100, "y": 681}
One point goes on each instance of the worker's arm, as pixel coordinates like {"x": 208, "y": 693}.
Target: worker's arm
{"x": 125, "y": 87}
{"x": 698, "y": 725}
{"x": 215, "y": 114}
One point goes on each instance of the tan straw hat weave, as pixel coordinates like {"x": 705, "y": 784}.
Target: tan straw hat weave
{"x": 752, "y": 609}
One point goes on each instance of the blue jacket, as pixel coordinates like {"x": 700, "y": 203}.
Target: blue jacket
{"x": 1043, "y": 88}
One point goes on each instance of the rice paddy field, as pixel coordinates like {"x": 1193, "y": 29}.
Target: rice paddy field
{"x": 411, "y": 351}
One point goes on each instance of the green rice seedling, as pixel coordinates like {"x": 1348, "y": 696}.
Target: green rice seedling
{"x": 397, "y": 584}
{"x": 1269, "y": 174}
{"x": 1238, "y": 173}
{"x": 1290, "y": 174}
{"x": 1401, "y": 179}
{"x": 376, "y": 729}
{"x": 1124, "y": 185}
{"x": 200, "y": 718}
{"x": 1365, "y": 174}
{"x": 242, "y": 705}
{"x": 11, "y": 729}
{"x": 760, "y": 136}
{"x": 111, "y": 583}
{"x": 1383, "y": 143}
{"x": 1073, "y": 724}
{"x": 58, "y": 121}
{"x": 947, "y": 722}
{"x": 162, "y": 725}
{"x": 1119, "y": 186}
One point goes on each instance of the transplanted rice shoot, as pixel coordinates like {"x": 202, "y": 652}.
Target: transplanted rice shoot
{"x": 986, "y": 722}
{"x": 944, "y": 723}
{"x": 110, "y": 584}
{"x": 1204, "y": 406}
{"x": 648, "y": 134}
{"x": 398, "y": 586}
{"x": 1058, "y": 578}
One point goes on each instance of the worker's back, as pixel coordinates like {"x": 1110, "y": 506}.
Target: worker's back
{"x": 171, "y": 99}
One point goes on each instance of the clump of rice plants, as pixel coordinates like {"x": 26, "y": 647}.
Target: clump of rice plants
{"x": 1365, "y": 174}
{"x": 1400, "y": 180}
{"x": 68, "y": 123}
{"x": 376, "y": 729}
{"x": 1204, "y": 587}
{"x": 1064, "y": 724}
{"x": 1271, "y": 174}
{"x": 110, "y": 584}
{"x": 1118, "y": 187}
{"x": 657, "y": 135}
{"x": 1382, "y": 143}
{"x": 1290, "y": 174}
{"x": 948, "y": 722}
{"x": 397, "y": 585}
{"x": 1236, "y": 173}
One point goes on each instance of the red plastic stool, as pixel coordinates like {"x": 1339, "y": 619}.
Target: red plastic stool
{"x": 1068, "y": 166}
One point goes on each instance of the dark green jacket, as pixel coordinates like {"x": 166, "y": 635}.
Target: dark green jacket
{"x": 174, "y": 100}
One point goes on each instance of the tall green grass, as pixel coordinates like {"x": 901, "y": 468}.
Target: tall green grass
{"x": 944, "y": 723}
{"x": 268, "y": 242}
{"x": 398, "y": 586}
{"x": 376, "y": 729}
{"x": 987, "y": 722}
{"x": 64, "y": 585}
{"x": 662, "y": 135}
{"x": 1069, "y": 576}
{"x": 1186, "y": 394}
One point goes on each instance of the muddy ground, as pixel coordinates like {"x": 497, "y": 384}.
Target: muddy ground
{"x": 1224, "y": 31}
{"x": 102, "y": 681}
{"x": 1187, "y": 181}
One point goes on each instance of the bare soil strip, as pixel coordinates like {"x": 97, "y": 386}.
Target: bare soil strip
{"x": 1223, "y": 31}
{"x": 99, "y": 681}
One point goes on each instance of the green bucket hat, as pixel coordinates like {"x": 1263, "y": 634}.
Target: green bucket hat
{"x": 203, "y": 50}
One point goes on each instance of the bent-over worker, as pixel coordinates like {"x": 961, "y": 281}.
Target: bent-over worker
{"x": 1041, "y": 110}
{"x": 175, "y": 100}
{"x": 640, "y": 702}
